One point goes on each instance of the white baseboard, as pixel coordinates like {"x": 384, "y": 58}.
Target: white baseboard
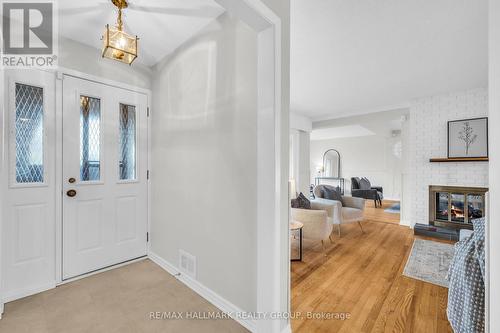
{"x": 205, "y": 292}
{"x": 20, "y": 293}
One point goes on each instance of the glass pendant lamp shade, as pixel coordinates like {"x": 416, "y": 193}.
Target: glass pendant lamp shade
{"x": 119, "y": 45}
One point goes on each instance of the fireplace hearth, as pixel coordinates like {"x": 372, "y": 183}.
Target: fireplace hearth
{"x": 455, "y": 207}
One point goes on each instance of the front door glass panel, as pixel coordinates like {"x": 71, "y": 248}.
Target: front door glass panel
{"x": 90, "y": 138}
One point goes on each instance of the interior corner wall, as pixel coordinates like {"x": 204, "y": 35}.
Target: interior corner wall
{"x": 204, "y": 159}
{"x": 86, "y": 59}
{"x": 428, "y": 138}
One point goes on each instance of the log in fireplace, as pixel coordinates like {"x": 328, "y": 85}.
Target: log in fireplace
{"x": 454, "y": 206}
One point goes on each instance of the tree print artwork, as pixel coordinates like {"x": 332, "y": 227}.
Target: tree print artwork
{"x": 468, "y": 138}
{"x": 467, "y": 135}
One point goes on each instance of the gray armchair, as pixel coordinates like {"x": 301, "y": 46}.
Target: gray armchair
{"x": 375, "y": 193}
{"x": 350, "y": 211}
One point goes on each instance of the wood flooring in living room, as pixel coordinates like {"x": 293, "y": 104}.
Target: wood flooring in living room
{"x": 361, "y": 276}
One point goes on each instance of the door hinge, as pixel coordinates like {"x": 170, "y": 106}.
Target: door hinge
{"x": 147, "y": 175}
{"x": 147, "y": 236}
{"x": 148, "y": 111}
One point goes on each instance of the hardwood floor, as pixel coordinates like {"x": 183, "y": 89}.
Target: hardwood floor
{"x": 378, "y": 214}
{"x": 361, "y": 277}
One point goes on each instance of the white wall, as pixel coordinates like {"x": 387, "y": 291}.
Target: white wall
{"x": 300, "y": 160}
{"x": 365, "y": 156}
{"x": 406, "y": 191}
{"x": 428, "y": 138}
{"x": 204, "y": 158}
{"x": 300, "y": 128}
{"x": 378, "y": 156}
{"x": 86, "y": 59}
{"x": 493, "y": 247}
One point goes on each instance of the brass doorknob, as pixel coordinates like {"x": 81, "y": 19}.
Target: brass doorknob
{"x": 71, "y": 193}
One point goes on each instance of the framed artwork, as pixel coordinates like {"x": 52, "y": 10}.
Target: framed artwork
{"x": 468, "y": 138}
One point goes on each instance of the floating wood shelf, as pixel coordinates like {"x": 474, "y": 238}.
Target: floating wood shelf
{"x": 460, "y": 159}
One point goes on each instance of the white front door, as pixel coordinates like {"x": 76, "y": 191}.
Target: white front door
{"x": 104, "y": 176}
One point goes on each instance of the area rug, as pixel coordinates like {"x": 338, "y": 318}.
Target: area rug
{"x": 393, "y": 209}
{"x": 429, "y": 261}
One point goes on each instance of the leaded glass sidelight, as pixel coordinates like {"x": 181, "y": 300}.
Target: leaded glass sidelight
{"x": 127, "y": 141}
{"x": 90, "y": 153}
{"x": 29, "y": 134}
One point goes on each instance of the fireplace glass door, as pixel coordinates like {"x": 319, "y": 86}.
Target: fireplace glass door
{"x": 442, "y": 199}
{"x": 475, "y": 206}
{"x": 457, "y": 209}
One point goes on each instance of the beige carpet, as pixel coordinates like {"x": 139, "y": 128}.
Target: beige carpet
{"x": 119, "y": 300}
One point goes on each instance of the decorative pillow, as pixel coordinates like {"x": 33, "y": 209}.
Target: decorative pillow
{"x": 332, "y": 193}
{"x": 364, "y": 184}
{"x": 301, "y": 202}
{"x": 355, "y": 182}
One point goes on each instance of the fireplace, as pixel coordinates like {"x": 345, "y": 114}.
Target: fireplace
{"x": 456, "y": 207}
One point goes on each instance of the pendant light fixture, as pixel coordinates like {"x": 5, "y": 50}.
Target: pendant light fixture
{"x": 119, "y": 45}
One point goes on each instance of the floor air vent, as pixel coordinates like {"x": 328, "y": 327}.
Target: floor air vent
{"x": 187, "y": 263}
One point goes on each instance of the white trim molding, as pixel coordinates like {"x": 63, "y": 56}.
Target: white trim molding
{"x": 211, "y": 296}
{"x": 272, "y": 182}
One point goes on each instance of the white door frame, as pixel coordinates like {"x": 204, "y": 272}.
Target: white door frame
{"x": 272, "y": 200}
{"x": 59, "y": 157}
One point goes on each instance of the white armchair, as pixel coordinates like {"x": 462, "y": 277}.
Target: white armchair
{"x": 317, "y": 221}
{"x": 352, "y": 210}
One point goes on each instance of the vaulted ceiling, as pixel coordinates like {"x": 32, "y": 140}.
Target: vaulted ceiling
{"x": 162, "y": 25}
{"x": 359, "y": 56}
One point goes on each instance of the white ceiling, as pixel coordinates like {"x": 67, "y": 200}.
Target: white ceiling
{"x": 348, "y": 131}
{"x": 162, "y": 25}
{"x": 378, "y": 123}
{"x": 359, "y": 56}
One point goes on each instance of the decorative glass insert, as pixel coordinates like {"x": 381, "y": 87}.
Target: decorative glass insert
{"x": 29, "y": 134}
{"x": 127, "y": 142}
{"x": 90, "y": 143}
